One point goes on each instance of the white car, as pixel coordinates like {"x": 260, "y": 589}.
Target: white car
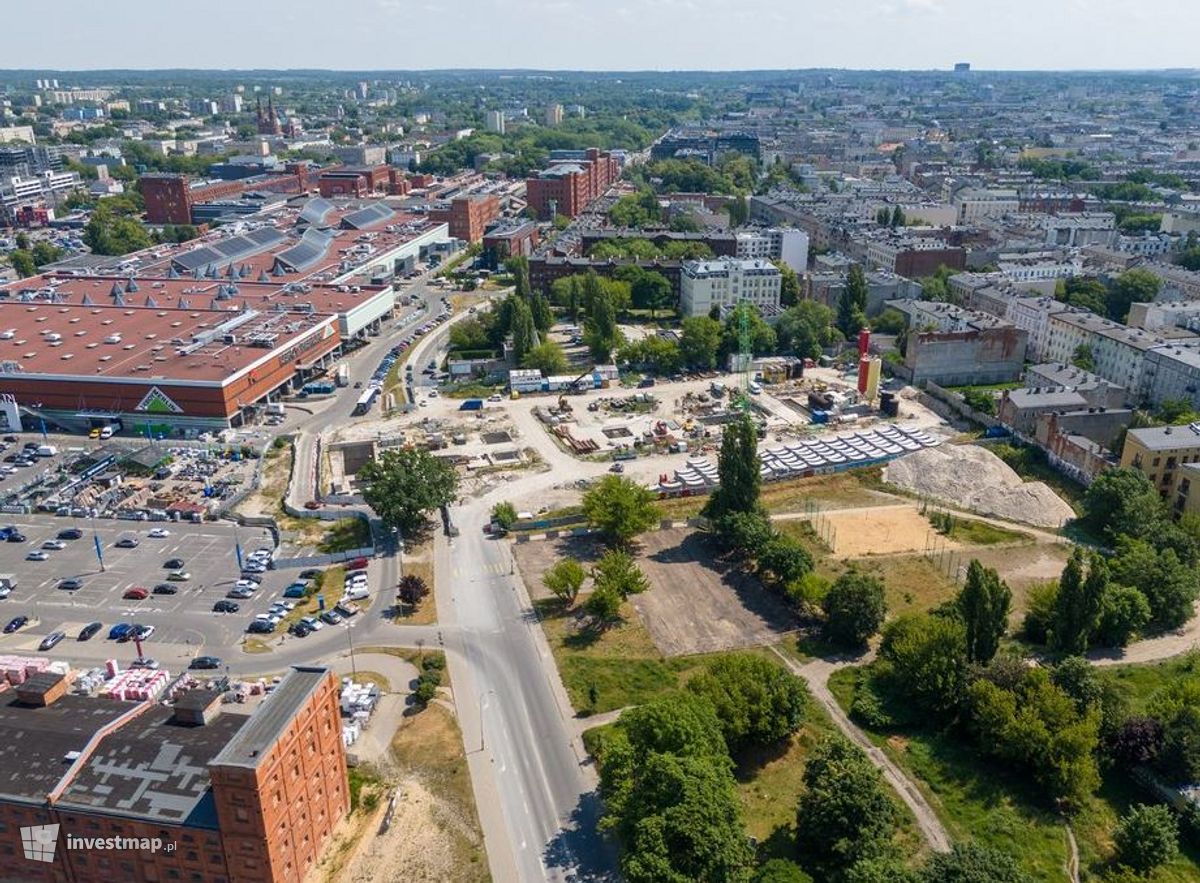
{"x": 246, "y": 584}
{"x": 37, "y": 555}
{"x": 313, "y": 623}
{"x": 159, "y": 533}
{"x": 54, "y": 544}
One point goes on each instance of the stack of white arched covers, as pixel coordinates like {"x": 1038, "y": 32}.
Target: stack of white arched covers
{"x": 842, "y": 451}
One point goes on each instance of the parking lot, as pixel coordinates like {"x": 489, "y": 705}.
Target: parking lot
{"x": 186, "y": 618}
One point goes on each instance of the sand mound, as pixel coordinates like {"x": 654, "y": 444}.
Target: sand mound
{"x": 971, "y": 477}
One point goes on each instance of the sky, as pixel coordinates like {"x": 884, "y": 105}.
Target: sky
{"x": 602, "y": 34}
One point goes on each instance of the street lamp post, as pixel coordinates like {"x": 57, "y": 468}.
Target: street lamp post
{"x": 350, "y": 639}
{"x": 481, "y": 695}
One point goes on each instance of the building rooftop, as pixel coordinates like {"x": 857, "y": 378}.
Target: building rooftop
{"x": 251, "y": 743}
{"x": 1047, "y": 399}
{"x": 1165, "y": 438}
{"x": 36, "y": 743}
{"x": 154, "y": 768}
{"x": 724, "y": 266}
{"x": 1060, "y": 374}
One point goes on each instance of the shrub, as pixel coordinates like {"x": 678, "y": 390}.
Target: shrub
{"x": 1147, "y": 837}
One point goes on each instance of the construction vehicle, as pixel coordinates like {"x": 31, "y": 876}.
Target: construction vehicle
{"x": 564, "y": 405}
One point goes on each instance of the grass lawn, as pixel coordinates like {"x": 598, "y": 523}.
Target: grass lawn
{"x": 977, "y": 799}
{"x": 346, "y": 534}
{"x": 980, "y": 533}
{"x": 429, "y": 745}
{"x": 840, "y": 490}
{"x": 622, "y": 662}
{"x": 426, "y": 610}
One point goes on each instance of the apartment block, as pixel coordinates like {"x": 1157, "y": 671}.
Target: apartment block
{"x": 468, "y": 216}
{"x": 785, "y": 244}
{"x": 1160, "y": 452}
{"x": 727, "y": 282}
{"x": 569, "y": 186}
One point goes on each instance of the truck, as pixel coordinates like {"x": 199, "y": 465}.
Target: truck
{"x": 47, "y": 451}
{"x": 342, "y": 376}
{"x": 275, "y": 409}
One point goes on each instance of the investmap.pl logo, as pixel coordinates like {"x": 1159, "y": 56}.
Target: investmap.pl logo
{"x": 39, "y": 842}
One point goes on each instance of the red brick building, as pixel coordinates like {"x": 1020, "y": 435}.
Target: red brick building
{"x": 569, "y": 186}
{"x": 501, "y": 244}
{"x": 229, "y": 798}
{"x": 468, "y": 216}
{"x": 169, "y": 198}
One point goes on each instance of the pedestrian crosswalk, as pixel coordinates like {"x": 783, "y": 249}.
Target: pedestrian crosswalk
{"x": 495, "y": 569}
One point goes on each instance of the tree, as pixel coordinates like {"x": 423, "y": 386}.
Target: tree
{"x": 524, "y": 332}
{"x": 504, "y": 514}
{"x": 762, "y": 335}
{"x": 1077, "y": 604}
{"x": 1136, "y": 742}
{"x": 805, "y": 329}
{"x": 518, "y": 267}
{"x": 778, "y": 870}
{"x": 547, "y": 357}
{"x": 108, "y": 233}
{"x": 1122, "y": 501}
{"x": 854, "y": 608}
{"x": 1146, "y": 837}
{"x": 567, "y": 292}
{"x": 648, "y": 290}
{"x": 1180, "y": 755}
{"x": 22, "y": 263}
{"x": 972, "y": 863}
{"x": 564, "y": 579}
{"x": 685, "y": 824}
{"x": 603, "y": 604}
{"x": 925, "y": 657}
{"x": 699, "y": 341}
{"x": 898, "y": 219}
{"x": 782, "y": 561}
{"x": 789, "y": 285}
{"x": 1083, "y": 358}
{"x": 539, "y": 307}
{"x": 601, "y": 332}
{"x": 737, "y": 469}
{"x": 616, "y": 571}
{"x": 890, "y": 321}
{"x": 739, "y": 211}
{"x": 619, "y": 507}
{"x": 412, "y": 588}
{"x": 652, "y": 353}
{"x": 852, "y": 303}
{"x": 1169, "y": 586}
{"x": 1132, "y": 286}
{"x": 1124, "y": 611}
{"x": 1039, "y": 611}
{"x": 403, "y": 485}
{"x": 845, "y": 812}
{"x": 983, "y": 604}
{"x": 46, "y": 253}
{"x": 747, "y": 534}
{"x": 757, "y": 701}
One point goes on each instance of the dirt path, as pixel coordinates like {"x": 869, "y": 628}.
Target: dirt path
{"x": 1153, "y": 649}
{"x": 1073, "y": 860}
{"x": 816, "y": 675}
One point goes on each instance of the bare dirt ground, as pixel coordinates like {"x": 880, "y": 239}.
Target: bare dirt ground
{"x": 884, "y": 530}
{"x": 695, "y": 604}
{"x": 698, "y": 605}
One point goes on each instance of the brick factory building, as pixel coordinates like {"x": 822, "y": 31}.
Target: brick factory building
{"x": 567, "y": 187}
{"x": 240, "y": 798}
{"x": 169, "y": 197}
{"x": 503, "y": 242}
{"x": 468, "y": 216}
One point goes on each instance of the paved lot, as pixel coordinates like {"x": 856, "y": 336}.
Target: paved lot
{"x": 185, "y": 618}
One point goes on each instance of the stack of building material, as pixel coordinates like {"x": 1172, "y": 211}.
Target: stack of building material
{"x": 137, "y": 685}
{"x": 17, "y": 668}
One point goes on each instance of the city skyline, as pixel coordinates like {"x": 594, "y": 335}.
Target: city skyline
{"x": 1086, "y": 35}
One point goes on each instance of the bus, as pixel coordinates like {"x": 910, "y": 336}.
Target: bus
{"x": 366, "y": 400}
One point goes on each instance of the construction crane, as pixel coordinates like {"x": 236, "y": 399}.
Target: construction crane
{"x": 745, "y": 353}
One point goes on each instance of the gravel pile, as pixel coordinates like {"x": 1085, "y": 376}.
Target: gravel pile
{"x": 971, "y": 477}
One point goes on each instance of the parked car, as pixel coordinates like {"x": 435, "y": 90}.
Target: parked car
{"x": 119, "y": 631}
{"x": 260, "y": 627}
{"x": 54, "y": 545}
{"x": 330, "y": 618}
{"x": 206, "y": 662}
{"x": 300, "y": 630}
{"x": 71, "y": 533}
{"x": 50, "y": 640}
{"x": 37, "y": 555}
{"x": 179, "y": 576}
{"x": 141, "y": 632}
{"x": 144, "y": 662}
{"x": 159, "y": 533}
{"x": 295, "y": 590}
{"x": 127, "y": 543}
{"x": 15, "y": 623}
{"x": 224, "y": 606}
{"x": 88, "y": 631}
{"x": 16, "y": 538}
{"x": 165, "y": 589}
{"x": 240, "y": 594}
{"x": 311, "y": 573}
{"x": 173, "y": 563}
{"x": 71, "y": 584}
{"x": 135, "y": 593}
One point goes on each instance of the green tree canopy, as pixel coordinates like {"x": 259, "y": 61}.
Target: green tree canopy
{"x": 757, "y": 701}
{"x": 845, "y": 813}
{"x": 700, "y": 341}
{"x": 564, "y": 579}
{"x": 1147, "y": 837}
{"x": 852, "y": 303}
{"x": 983, "y": 603}
{"x": 738, "y": 470}
{"x": 619, "y": 507}
{"x": 403, "y": 485}
{"x": 925, "y": 657}
{"x": 854, "y": 608}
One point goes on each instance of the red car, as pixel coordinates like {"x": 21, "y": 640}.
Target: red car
{"x": 136, "y": 593}
{"x": 312, "y": 504}
{"x": 357, "y": 564}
